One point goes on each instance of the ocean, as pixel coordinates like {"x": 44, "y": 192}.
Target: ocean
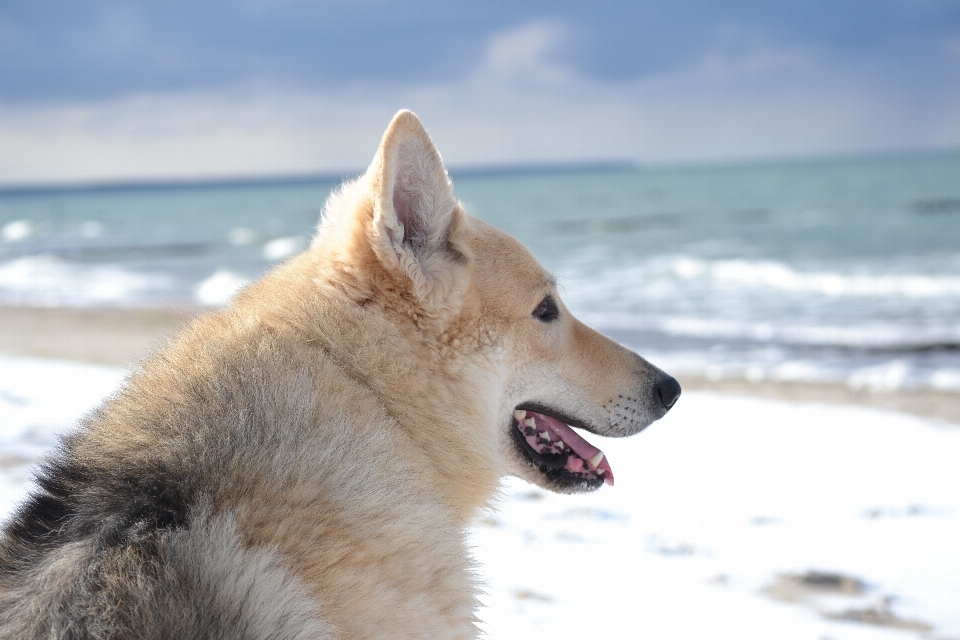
{"x": 838, "y": 271}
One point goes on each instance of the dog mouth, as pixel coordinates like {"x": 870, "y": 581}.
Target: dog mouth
{"x": 559, "y": 452}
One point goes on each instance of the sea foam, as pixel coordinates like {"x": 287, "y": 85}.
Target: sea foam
{"x": 50, "y": 281}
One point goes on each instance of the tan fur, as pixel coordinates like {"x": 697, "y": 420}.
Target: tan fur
{"x": 350, "y": 413}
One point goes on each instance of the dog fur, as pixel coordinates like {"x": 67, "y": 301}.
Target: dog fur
{"x": 304, "y": 463}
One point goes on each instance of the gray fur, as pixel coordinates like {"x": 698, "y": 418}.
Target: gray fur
{"x": 199, "y": 584}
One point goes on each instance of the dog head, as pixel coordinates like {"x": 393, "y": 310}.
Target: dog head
{"x": 519, "y": 372}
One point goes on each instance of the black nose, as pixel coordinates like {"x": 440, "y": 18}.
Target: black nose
{"x": 669, "y": 390}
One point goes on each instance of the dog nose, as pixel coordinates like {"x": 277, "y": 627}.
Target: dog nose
{"x": 669, "y": 390}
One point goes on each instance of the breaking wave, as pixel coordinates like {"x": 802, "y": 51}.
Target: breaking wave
{"x": 45, "y": 280}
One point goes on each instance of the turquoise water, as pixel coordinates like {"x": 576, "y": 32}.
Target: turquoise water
{"x": 844, "y": 270}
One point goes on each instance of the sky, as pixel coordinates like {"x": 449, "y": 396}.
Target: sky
{"x": 99, "y": 91}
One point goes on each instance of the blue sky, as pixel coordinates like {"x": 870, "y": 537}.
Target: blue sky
{"x": 102, "y": 90}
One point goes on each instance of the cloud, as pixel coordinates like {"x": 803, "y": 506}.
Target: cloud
{"x": 165, "y": 135}
{"x": 740, "y": 55}
{"x": 745, "y": 97}
{"x": 524, "y": 54}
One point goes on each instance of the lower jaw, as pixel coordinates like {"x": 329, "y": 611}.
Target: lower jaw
{"x": 552, "y": 470}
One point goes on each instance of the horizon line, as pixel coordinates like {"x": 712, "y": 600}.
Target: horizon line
{"x": 203, "y": 182}
{"x": 464, "y": 171}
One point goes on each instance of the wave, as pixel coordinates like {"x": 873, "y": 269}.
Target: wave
{"x": 765, "y": 274}
{"x": 776, "y": 365}
{"x": 113, "y": 253}
{"x": 219, "y": 288}
{"x": 613, "y": 276}
{"x": 865, "y": 337}
{"x": 46, "y": 280}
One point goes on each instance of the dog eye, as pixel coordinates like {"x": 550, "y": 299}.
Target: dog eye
{"x": 547, "y": 310}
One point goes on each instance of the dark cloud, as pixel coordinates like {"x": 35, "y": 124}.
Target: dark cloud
{"x": 90, "y": 49}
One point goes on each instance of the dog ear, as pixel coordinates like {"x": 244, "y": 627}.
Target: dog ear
{"x": 415, "y": 214}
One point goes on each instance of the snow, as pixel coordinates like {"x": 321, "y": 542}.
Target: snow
{"x": 719, "y": 501}
{"x": 38, "y": 400}
{"x": 724, "y": 501}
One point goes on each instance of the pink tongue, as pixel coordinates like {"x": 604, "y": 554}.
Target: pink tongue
{"x": 580, "y": 446}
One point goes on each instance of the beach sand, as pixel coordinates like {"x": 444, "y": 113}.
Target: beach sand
{"x": 121, "y": 337}
{"x": 115, "y": 337}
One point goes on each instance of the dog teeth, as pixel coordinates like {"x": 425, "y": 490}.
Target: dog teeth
{"x": 544, "y": 435}
{"x": 530, "y": 422}
{"x": 519, "y": 415}
{"x": 595, "y": 460}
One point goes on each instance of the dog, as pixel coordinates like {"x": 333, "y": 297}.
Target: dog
{"x": 305, "y": 463}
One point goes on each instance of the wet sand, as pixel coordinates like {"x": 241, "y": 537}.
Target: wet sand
{"x": 925, "y": 403}
{"x": 121, "y": 337}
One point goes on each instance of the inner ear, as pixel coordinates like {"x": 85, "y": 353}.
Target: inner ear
{"x": 404, "y": 211}
{"x": 409, "y": 188}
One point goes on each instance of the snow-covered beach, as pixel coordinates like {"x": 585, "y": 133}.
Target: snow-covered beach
{"x": 732, "y": 517}
{"x": 742, "y": 518}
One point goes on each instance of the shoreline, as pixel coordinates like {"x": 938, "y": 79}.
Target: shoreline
{"x": 116, "y": 337}
{"x": 924, "y": 403}
{"x": 121, "y": 337}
